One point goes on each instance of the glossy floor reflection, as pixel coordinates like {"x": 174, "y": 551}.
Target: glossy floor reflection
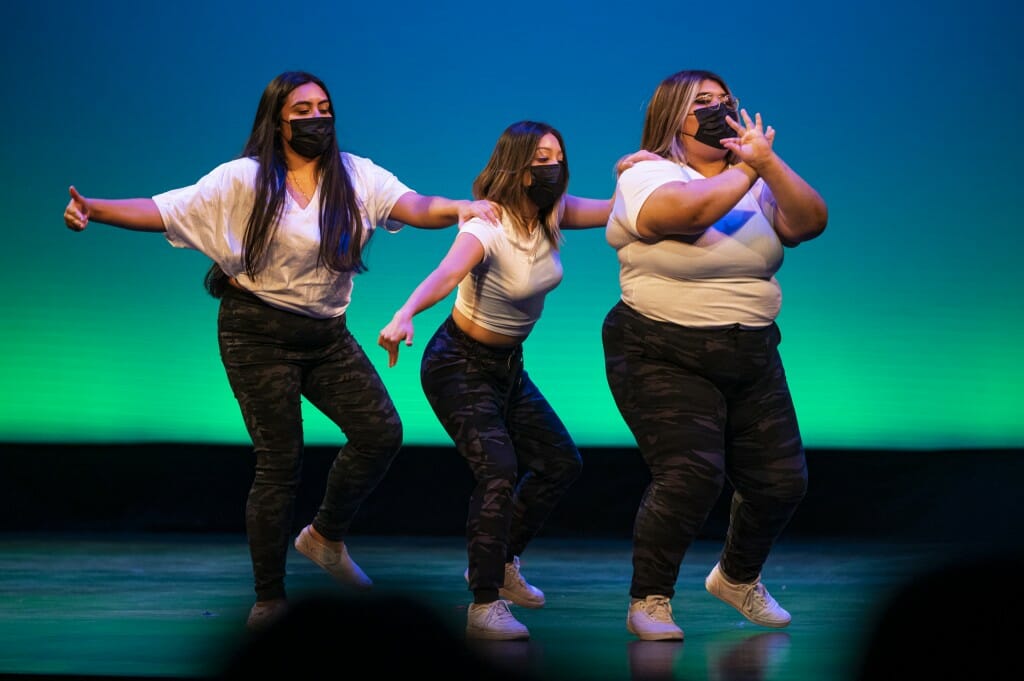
{"x": 165, "y": 607}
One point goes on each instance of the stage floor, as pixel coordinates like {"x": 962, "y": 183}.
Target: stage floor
{"x": 174, "y": 606}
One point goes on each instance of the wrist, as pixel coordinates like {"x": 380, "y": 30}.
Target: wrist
{"x": 748, "y": 171}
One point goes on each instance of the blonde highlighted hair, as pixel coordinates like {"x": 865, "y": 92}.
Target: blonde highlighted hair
{"x": 667, "y": 111}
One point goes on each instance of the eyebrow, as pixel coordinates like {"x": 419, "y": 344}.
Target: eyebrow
{"x": 307, "y": 102}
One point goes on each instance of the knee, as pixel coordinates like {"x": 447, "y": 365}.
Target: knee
{"x": 392, "y": 437}
{"x": 784, "y": 490}
{"x": 792, "y": 489}
{"x": 384, "y": 441}
{"x": 690, "y": 477}
{"x": 506, "y": 471}
{"x": 277, "y": 469}
{"x": 790, "y": 484}
{"x": 573, "y": 467}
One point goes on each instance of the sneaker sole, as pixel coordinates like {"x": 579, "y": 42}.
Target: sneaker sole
{"x": 487, "y": 635}
{"x": 664, "y": 636}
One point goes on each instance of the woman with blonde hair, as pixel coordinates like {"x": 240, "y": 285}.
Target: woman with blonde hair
{"x": 691, "y": 347}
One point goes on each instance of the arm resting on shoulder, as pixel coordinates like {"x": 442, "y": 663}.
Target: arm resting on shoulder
{"x": 435, "y": 212}
{"x": 583, "y": 213}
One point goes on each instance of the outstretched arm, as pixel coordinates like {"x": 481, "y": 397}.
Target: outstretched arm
{"x": 140, "y": 215}
{"x": 465, "y": 253}
{"x": 583, "y": 213}
{"x": 434, "y": 212}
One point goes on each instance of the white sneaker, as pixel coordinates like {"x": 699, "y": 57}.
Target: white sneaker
{"x": 752, "y": 600}
{"x": 516, "y": 588}
{"x": 494, "y": 621}
{"x": 650, "y": 619}
{"x": 337, "y": 563}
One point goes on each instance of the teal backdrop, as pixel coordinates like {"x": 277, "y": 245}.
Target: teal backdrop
{"x": 902, "y": 324}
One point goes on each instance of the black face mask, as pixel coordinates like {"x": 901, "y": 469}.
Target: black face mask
{"x": 548, "y": 184}
{"x": 711, "y": 125}
{"x": 312, "y": 136}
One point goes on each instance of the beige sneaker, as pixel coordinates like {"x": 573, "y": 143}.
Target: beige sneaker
{"x": 337, "y": 563}
{"x": 752, "y": 600}
{"x": 516, "y": 588}
{"x": 650, "y": 619}
{"x": 494, "y": 621}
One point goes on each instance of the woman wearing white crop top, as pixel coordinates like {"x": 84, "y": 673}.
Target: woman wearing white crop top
{"x": 285, "y": 225}
{"x": 691, "y": 348}
{"x": 472, "y": 368}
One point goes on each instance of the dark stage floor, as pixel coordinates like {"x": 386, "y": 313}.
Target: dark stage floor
{"x": 174, "y": 606}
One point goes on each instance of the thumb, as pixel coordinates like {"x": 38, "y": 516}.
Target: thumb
{"x": 74, "y": 194}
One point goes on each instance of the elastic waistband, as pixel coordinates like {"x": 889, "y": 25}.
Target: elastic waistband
{"x": 728, "y": 329}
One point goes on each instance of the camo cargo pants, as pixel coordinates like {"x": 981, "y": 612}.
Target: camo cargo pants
{"x": 521, "y": 456}
{"x": 273, "y": 358}
{"x": 704, "y": 405}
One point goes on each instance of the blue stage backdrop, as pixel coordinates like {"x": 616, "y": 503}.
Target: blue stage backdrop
{"x": 902, "y": 324}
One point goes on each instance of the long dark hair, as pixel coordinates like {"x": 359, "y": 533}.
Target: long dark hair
{"x": 341, "y": 244}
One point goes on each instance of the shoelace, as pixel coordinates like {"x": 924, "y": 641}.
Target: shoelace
{"x": 518, "y": 579}
{"x": 658, "y": 609}
{"x": 757, "y": 598}
{"x": 517, "y": 576}
{"x": 500, "y": 611}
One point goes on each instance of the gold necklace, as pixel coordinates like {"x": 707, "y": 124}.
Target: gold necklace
{"x": 295, "y": 183}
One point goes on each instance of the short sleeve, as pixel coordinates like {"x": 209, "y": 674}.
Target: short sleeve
{"x": 197, "y": 216}
{"x": 378, "y": 190}
{"x": 637, "y": 183}
{"x": 485, "y": 232}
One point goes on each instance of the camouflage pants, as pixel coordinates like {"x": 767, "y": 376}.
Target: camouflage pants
{"x": 521, "y": 456}
{"x": 273, "y": 358}
{"x": 704, "y": 405}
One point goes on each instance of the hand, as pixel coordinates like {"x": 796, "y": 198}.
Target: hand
{"x": 76, "y": 215}
{"x": 753, "y": 142}
{"x": 399, "y": 329}
{"x": 629, "y": 160}
{"x": 484, "y": 209}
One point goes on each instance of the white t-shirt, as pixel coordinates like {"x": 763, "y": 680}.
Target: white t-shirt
{"x": 210, "y": 216}
{"x": 505, "y": 292}
{"x": 724, "y": 276}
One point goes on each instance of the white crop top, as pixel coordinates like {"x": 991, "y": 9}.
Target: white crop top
{"x": 505, "y": 292}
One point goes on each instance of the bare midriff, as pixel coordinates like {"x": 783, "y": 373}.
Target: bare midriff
{"x": 482, "y": 335}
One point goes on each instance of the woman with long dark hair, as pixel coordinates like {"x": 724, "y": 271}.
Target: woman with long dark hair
{"x": 285, "y": 225}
